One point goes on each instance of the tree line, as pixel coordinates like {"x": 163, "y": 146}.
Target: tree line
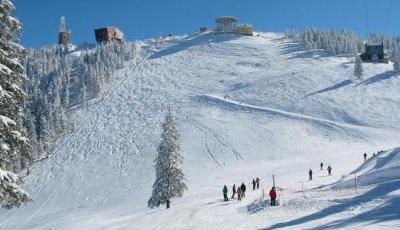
{"x": 60, "y": 79}
{"x": 344, "y": 42}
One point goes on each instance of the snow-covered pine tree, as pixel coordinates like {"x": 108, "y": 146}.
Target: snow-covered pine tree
{"x": 358, "y": 69}
{"x": 11, "y": 195}
{"x": 14, "y": 146}
{"x": 170, "y": 180}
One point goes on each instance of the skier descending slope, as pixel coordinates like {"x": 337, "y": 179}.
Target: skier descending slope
{"x": 168, "y": 164}
{"x": 310, "y": 174}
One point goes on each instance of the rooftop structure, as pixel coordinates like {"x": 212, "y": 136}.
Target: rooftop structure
{"x": 109, "y": 34}
{"x": 226, "y": 24}
{"x": 63, "y": 33}
{"x": 374, "y": 53}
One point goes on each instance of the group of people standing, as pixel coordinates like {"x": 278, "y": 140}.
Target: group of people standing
{"x": 310, "y": 172}
{"x": 256, "y": 183}
{"x": 240, "y": 190}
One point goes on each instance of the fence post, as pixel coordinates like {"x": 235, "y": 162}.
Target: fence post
{"x": 355, "y": 182}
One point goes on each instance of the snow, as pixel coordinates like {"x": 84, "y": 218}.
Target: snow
{"x": 6, "y": 121}
{"x": 271, "y": 122}
{"x": 5, "y": 70}
{"x": 17, "y": 135}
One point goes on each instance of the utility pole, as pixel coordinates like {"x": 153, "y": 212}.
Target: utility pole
{"x": 273, "y": 180}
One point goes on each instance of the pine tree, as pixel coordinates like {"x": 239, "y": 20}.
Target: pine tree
{"x": 10, "y": 194}
{"x": 14, "y": 146}
{"x": 168, "y": 164}
{"x": 358, "y": 69}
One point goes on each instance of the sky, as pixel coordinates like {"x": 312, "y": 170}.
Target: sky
{"x": 140, "y": 19}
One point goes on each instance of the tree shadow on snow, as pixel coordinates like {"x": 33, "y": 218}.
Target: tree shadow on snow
{"x": 298, "y": 51}
{"x": 330, "y": 88}
{"x": 380, "y": 77}
{"x": 191, "y": 41}
{"x": 386, "y": 212}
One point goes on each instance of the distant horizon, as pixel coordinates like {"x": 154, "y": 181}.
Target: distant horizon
{"x": 144, "y": 20}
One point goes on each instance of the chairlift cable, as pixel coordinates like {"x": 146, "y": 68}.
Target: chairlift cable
{"x": 387, "y": 16}
{"x": 366, "y": 18}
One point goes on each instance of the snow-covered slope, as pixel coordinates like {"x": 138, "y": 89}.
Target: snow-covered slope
{"x": 246, "y": 107}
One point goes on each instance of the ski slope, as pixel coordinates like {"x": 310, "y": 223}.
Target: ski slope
{"x": 246, "y": 107}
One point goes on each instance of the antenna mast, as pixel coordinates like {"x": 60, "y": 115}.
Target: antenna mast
{"x": 63, "y": 27}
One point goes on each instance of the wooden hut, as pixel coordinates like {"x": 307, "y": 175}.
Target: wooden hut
{"x": 109, "y": 34}
{"x": 374, "y": 53}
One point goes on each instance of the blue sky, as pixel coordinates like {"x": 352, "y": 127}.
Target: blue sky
{"x": 148, "y": 18}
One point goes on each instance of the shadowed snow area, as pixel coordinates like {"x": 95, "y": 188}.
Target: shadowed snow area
{"x": 246, "y": 107}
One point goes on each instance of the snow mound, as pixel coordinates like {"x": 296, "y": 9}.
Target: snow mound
{"x": 380, "y": 168}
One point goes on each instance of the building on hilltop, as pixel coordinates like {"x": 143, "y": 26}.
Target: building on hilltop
{"x": 245, "y": 29}
{"x": 109, "y": 34}
{"x": 203, "y": 29}
{"x": 63, "y": 33}
{"x": 228, "y": 24}
{"x": 374, "y": 53}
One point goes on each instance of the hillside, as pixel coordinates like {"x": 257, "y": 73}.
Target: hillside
{"x": 245, "y": 107}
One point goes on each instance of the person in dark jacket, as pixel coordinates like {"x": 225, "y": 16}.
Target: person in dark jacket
{"x": 239, "y": 193}
{"x": 321, "y": 165}
{"x": 310, "y": 174}
{"x": 243, "y": 188}
{"x": 254, "y": 184}
{"x": 329, "y": 170}
{"x": 272, "y": 195}
{"x": 258, "y": 182}
{"x": 365, "y": 156}
{"x": 233, "y": 191}
{"x": 225, "y": 191}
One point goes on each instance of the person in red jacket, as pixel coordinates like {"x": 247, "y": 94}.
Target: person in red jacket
{"x": 272, "y": 195}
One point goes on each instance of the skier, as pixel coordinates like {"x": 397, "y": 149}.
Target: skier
{"x": 225, "y": 191}
{"x": 239, "y": 193}
{"x": 310, "y": 174}
{"x": 243, "y": 188}
{"x": 272, "y": 195}
{"x": 254, "y": 184}
{"x": 322, "y": 165}
{"x": 233, "y": 191}
{"x": 258, "y": 182}
{"x": 365, "y": 156}
{"x": 329, "y": 170}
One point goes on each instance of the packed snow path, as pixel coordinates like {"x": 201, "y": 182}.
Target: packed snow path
{"x": 285, "y": 111}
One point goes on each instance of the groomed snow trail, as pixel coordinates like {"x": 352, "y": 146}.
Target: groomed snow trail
{"x": 245, "y": 107}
